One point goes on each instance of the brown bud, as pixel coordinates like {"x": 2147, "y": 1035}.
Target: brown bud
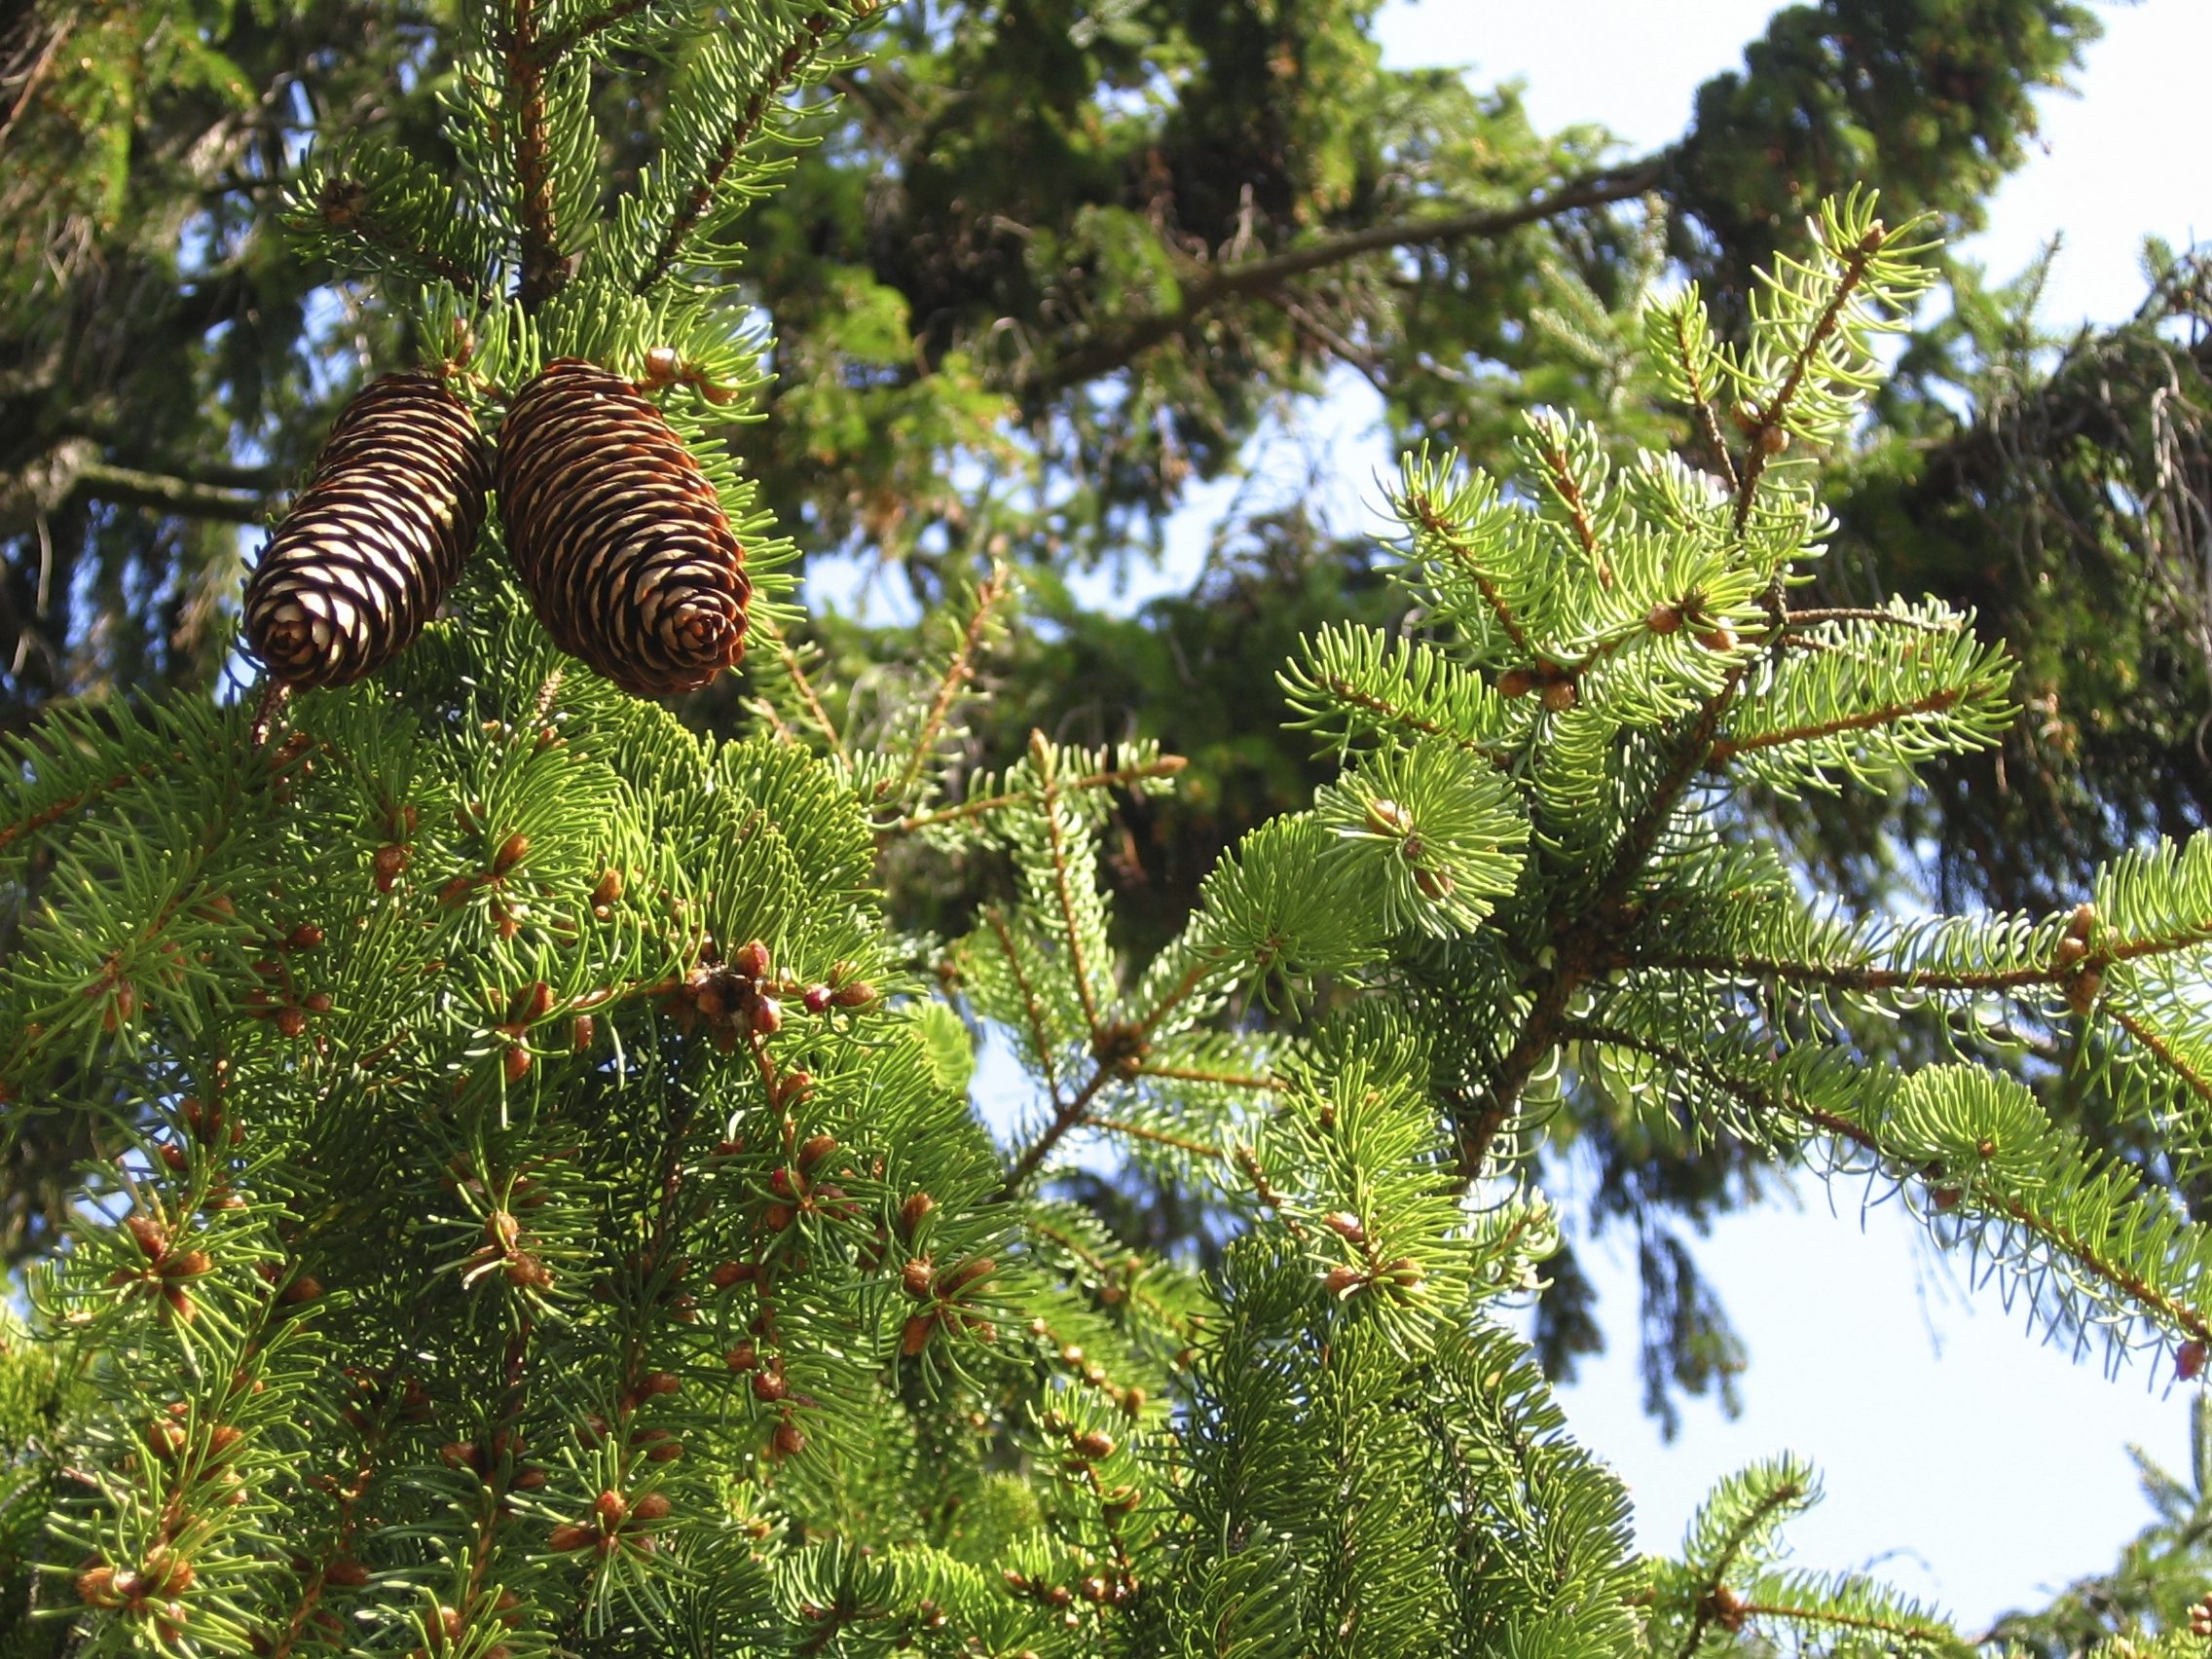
{"x": 918, "y": 1278}
{"x": 667, "y": 1452}
{"x": 815, "y": 1149}
{"x": 911, "y": 1213}
{"x": 1341, "y": 1279}
{"x": 1093, "y": 1588}
{"x": 571, "y": 1537}
{"x": 767, "y": 1016}
{"x": 742, "y": 1357}
{"x": 1516, "y": 683}
{"x": 1345, "y": 1225}
{"x": 306, "y": 937}
{"x": 96, "y": 1586}
{"x": 610, "y": 1510}
{"x": 532, "y": 1003}
{"x": 345, "y": 1572}
{"x": 152, "y": 1236}
{"x": 788, "y": 1441}
{"x": 173, "y": 1155}
{"x": 454, "y": 892}
{"x": 914, "y": 1336}
{"x": 1663, "y": 619}
{"x": 388, "y": 863}
{"x": 660, "y": 365}
{"x": 291, "y": 1021}
{"x": 1718, "y": 638}
{"x": 186, "y": 1264}
{"x": 778, "y": 1217}
{"x": 769, "y": 1386}
{"x": 967, "y": 1273}
{"x": 1773, "y": 440}
{"x": 653, "y": 1506}
{"x": 727, "y": 1273}
{"x": 1388, "y": 818}
{"x": 609, "y": 888}
{"x": 583, "y": 1034}
{"x": 1560, "y": 696}
{"x": 2083, "y": 921}
{"x": 163, "y": 1438}
{"x": 661, "y": 1382}
{"x": 1093, "y": 1444}
{"x": 2083, "y": 989}
{"x": 2188, "y": 1360}
{"x": 856, "y": 994}
{"x": 515, "y": 1063}
{"x": 305, "y": 1288}
{"x": 224, "y": 1437}
{"x": 1435, "y": 883}
{"x": 512, "y": 851}
{"x": 317, "y": 1002}
{"x": 751, "y": 960}
{"x": 815, "y": 998}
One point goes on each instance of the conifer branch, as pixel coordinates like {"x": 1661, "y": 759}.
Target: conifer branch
{"x": 1709, "y": 1604}
{"x": 2154, "y": 1044}
{"x": 1063, "y": 889}
{"x": 1558, "y": 473}
{"x": 1854, "y": 262}
{"x": 1435, "y": 523}
{"x": 797, "y": 54}
{"x": 1864, "y": 614}
{"x": 1139, "y": 1131}
{"x": 1346, "y": 691}
{"x": 1902, "y": 1630}
{"x": 794, "y": 669}
{"x": 958, "y": 672}
{"x": 1069, "y": 1115}
{"x": 557, "y": 46}
{"x": 1118, "y": 345}
{"x": 1119, "y": 777}
{"x": 1198, "y": 1074}
{"x": 182, "y": 498}
{"x": 1938, "y": 702}
{"x": 523, "y": 50}
{"x": 1040, "y": 1036}
{"x": 1702, "y": 398}
{"x": 55, "y": 811}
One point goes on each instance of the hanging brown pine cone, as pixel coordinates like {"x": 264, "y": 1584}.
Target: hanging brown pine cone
{"x": 618, "y": 534}
{"x": 376, "y": 538}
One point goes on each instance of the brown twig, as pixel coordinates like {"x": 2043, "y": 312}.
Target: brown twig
{"x": 958, "y": 672}
{"x": 542, "y": 271}
{"x": 1726, "y": 749}
{"x": 1166, "y": 767}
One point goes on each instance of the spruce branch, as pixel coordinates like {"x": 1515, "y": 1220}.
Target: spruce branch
{"x": 163, "y": 493}
{"x": 796, "y": 55}
{"x": 1116, "y": 777}
{"x": 523, "y": 52}
{"x": 1724, "y": 749}
{"x": 1118, "y": 345}
{"x": 959, "y": 672}
{"x": 1142, "y": 1132}
{"x": 1040, "y": 1035}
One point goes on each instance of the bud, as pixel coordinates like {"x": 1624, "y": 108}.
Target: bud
{"x": 1516, "y": 683}
{"x": 918, "y": 1278}
{"x": 571, "y": 1537}
{"x": 306, "y": 937}
{"x": 727, "y": 1273}
{"x": 345, "y": 1572}
{"x": 305, "y": 1288}
{"x": 512, "y": 851}
{"x": 1345, "y": 1225}
{"x": 1343, "y": 1280}
{"x": 532, "y": 1003}
{"x": 815, "y": 1149}
{"x": 915, "y": 1334}
{"x": 388, "y": 865}
{"x": 584, "y": 1034}
{"x": 769, "y": 1386}
{"x": 1560, "y": 696}
{"x": 856, "y": 994}
{"x": 2188, "y": 1360}
{"x": 767, "y": 1016}
{"x": 1093, "y": 1444}
{"x": 653, "y": 1506}
{"x": 911, "y": 1213}
{"x": 788, "y": 1441}
{"x": 1388, "y": 818}
{"x": 815, "y": 998}
{"x": 742, "y": 1357}
{"x": 1773, "y": 440}
{"x": 609, "y": 888}
{"x": 751, "y": 960}
{"x": 661, "y": 1382}
{"x": 1663, "y": 619}
{"x": 291, "y": 1021}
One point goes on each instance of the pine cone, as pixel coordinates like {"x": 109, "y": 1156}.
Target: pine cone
{"x": 617, "y": 535}
{"x": 376, "y": 538}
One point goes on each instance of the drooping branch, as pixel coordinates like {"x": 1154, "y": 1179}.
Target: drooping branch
{"x": 163, "y": 493}
{"x": 1116, "y": 346}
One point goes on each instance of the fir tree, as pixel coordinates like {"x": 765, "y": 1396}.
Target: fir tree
{"x": 537, "y": 1202}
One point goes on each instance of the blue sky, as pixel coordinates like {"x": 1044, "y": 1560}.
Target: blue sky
{"x": 1965, "y": 1460}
